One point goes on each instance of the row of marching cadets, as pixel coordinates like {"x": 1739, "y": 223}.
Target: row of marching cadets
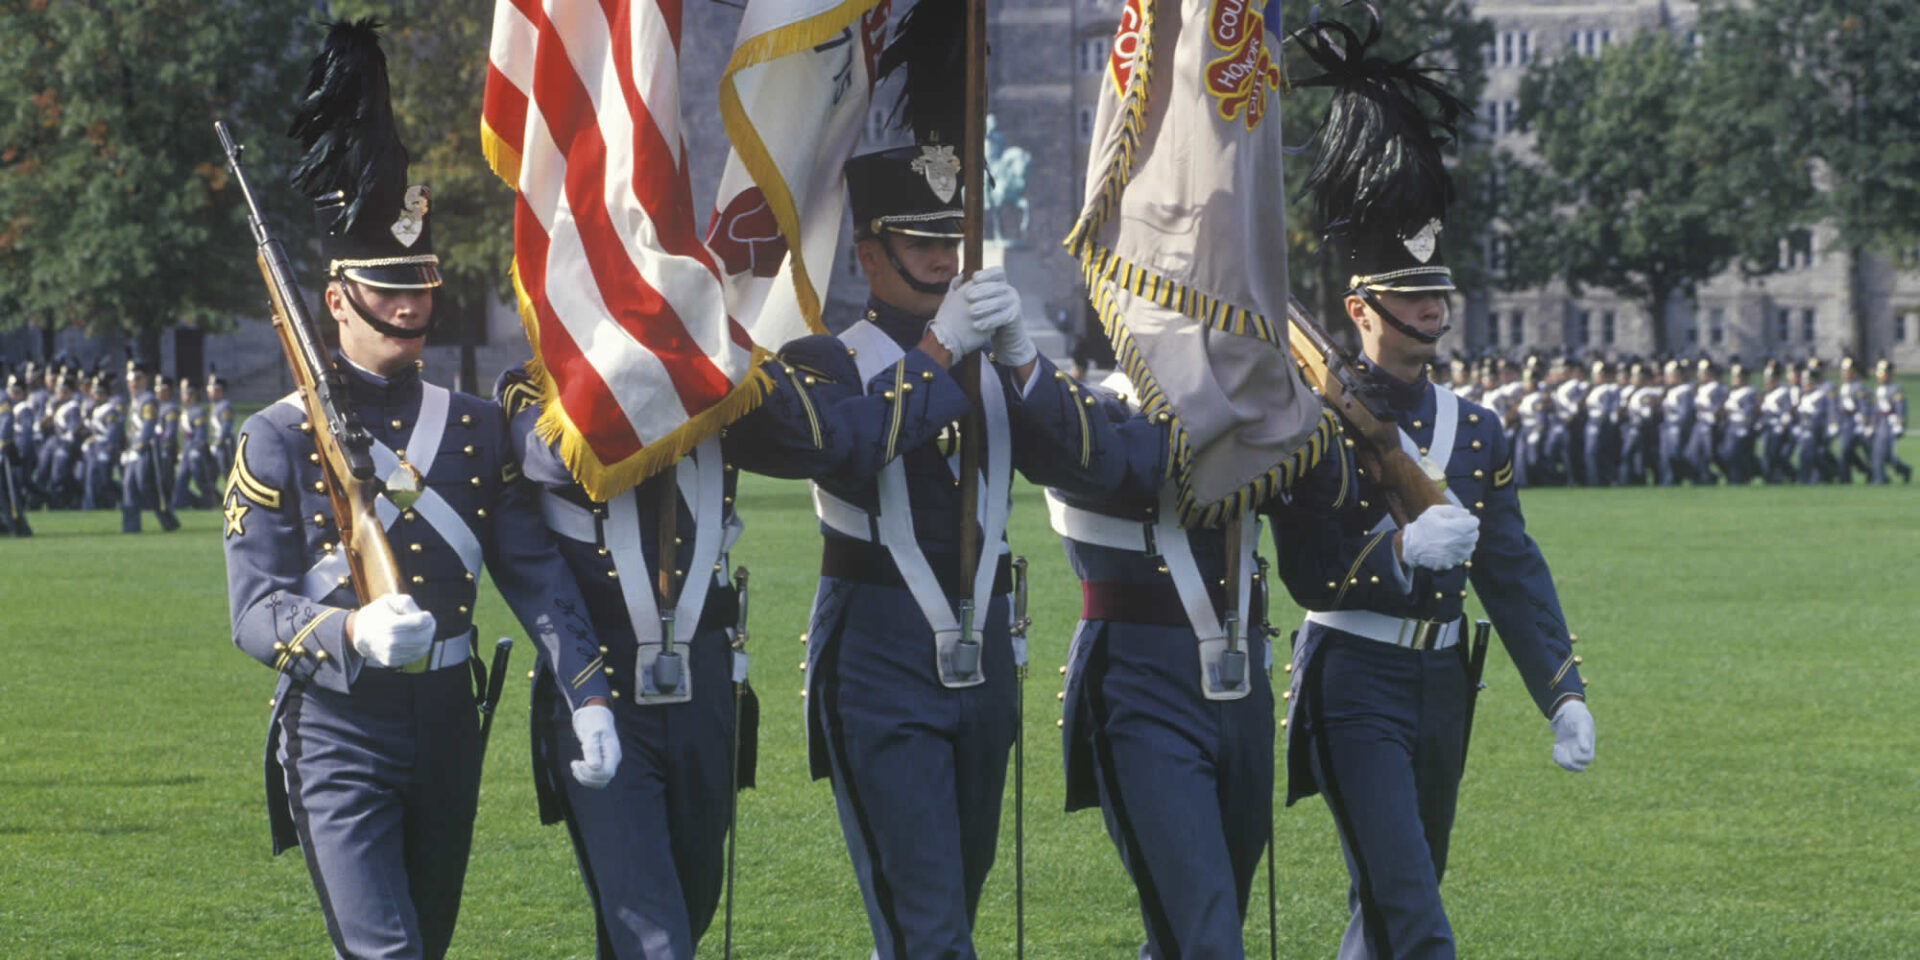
{"x": 642, "y": 718}
{"x": 1634, "y": 422}
{"x": 70, "y": 440}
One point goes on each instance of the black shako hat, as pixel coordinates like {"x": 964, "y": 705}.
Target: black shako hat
{"x": 374, "y": 227}
{"x": 1379, "y": 183}
{"x": 906, "y": 190}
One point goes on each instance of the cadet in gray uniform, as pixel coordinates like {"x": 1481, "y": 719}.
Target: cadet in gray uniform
{"x": 1776, "y": 413}
{"x": 220, "y": 431}
{"x": 167, "y": 434}
{"x": 1703, "y": 438}
{"x": 1852, "y": 422}
{"x": 1380, "y": 688}
{"x": 1889, "y": 424}
{"x": 373, "y": 751}
{"x": 13, "y": 488}
{"x": 140, "y": 461}
{"x": 910, "y": 715}
{"x": 60, "y": 429}
{"x": 193, "y": 476}
{"x": 651, "y": 845}
{"x": 105, "y": 435}
{"x": 1813, "y": 426}
{"x": 1741, "y": 428}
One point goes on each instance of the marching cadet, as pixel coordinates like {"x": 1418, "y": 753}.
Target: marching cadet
{"x": 1380, "y": 688}
{"x": 1569, "y": 403}
{"x": 1813, "y": 426}
{"x": 1640, "y": 427}
{"x": 1889, "y": 424}
{"x": 13, "y": 494}
{"x": 1852, "y": 421}
{"x": 1741, "y": 428}
{"x": 60, "y": 429}
{"x": 1703, "y": 437}
{"x": 910, "y": 711}
{"x": 219, "y": 427}
{"x": 28, "y": 400}
{"x": 1776, "y": 412}
{"x": 195, "y": 467}
{"x": 140, "y": 462}
{"x": 1676, "y": 425}
{"x": 651, "y": 844}
{"x": 167, "y": 433}
{"x": 1603, "y": 427}
{"x": 1535, "y": 413}
{"x": 373, "y": 756}
{"x": 101, "y": 450}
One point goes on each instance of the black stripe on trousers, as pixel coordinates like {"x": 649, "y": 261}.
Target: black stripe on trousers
{"x": 557, "y": 762}
{"x": 1156, "y": 913}
{"x": 837, "y": 735}
{"x": 290, "y": 735}
{"x": 1370, "y": 916}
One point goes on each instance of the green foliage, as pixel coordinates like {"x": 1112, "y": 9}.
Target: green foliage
{"x": 1446, "y": 31}
{"x": 116, "y": 210}
{"x": 1634, "y": 191}
{"x": 1751, "y": 797}
{"x": 1834, "y": 83}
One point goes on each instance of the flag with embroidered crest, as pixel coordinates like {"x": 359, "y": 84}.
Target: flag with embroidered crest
{"x": 1182, "y": 241}
{"x": 794, "y": 99}
{"x": 636, "y": 355}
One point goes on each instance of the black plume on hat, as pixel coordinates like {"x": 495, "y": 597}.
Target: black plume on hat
{"x": 931, "y": 46}
{"x": 1379, "y": 166}
{"x": 345, "y": 126}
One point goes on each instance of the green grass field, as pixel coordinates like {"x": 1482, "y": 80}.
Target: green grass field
{"x": 1754, "y": 794}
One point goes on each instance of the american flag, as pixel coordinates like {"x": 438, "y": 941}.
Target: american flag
{"x": 634, "y": 351}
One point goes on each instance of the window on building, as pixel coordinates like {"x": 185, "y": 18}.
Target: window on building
{"x": 1796, "y": 250}
{"x": 1093, "y": 53}
{"x": 1606, "y": 328}
{"x": 1526, "y": 56}
{"x": 1493, "y": 328}
{"x": 1509, "y": 116}
{"x": 1582, "y": 328}
{"x": 1781, "y": 322}
{"x": 1693, "y": 334}
{"x": 1606, "y": 38}
{"x": 1516, "y": 328}
{"x": 1083, "y": 121}
{"x": 1900, "y": 321}
{"x": 1506, "y": 48}
{"x": 1806, "y": 325}
{"x": 1716, "y": 326}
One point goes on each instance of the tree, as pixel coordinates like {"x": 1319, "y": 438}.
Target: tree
{"x": 1452, "y": 39}
{"x": 1633, "y": 191}
{"x": 1833, "y": 85}
{"x": 116, "y": 209}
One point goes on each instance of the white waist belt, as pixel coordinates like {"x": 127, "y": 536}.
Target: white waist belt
{"x": 451, "y": 652}
{"x": 1398, "y": 631}
{"x": 567, "y": 518}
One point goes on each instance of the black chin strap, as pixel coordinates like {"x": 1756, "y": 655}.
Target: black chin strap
{"x": 380, "y": 326}
{"x": 936, "y": 289}
{"x": 1367, "y": 296}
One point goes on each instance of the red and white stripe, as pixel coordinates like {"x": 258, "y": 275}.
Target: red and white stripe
{"x": 626, "y": 308}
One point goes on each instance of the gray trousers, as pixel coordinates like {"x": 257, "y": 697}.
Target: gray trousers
{"x": 1387, "y": 727}
{"x": 383, "y": 783}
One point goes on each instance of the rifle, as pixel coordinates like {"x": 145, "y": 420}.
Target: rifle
{"x": 737, "y": 655}
{"x": 346, "y": 458}
{"x": 493, "y": 682}
{"x": 1411, "y": 486}
{"x": 1018, "y": 634}
{"x": 1476, "y": 666}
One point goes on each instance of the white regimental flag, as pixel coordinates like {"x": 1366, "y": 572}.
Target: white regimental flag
{"x": 1182, "y": 239}
{"x": 794, "y": 100}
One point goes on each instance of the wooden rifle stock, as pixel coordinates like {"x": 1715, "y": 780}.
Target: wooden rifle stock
{"x": 346, "y": 462}
{"x": 1411, "y": 489}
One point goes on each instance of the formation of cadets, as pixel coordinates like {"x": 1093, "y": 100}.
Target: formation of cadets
{"x": 1634, "y": 422}
{"x": 72, "y": 438}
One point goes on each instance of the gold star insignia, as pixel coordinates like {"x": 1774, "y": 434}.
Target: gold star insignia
{"x": 235, "y": 512}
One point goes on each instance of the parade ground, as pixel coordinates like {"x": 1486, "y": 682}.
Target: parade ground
{"x": 1750, "y": 653}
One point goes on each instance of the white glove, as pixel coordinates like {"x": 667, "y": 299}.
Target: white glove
{"x": 992, "y": 302}
{"x": 599, "y": 746}
{"x": 1441, "y": 538}
{"x": 1573, "y": 735}
{"x": 952, "y": 324}
{"x": 392, "y": 630}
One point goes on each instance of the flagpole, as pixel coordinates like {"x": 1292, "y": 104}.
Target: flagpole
{"x": 973, "y": 164}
